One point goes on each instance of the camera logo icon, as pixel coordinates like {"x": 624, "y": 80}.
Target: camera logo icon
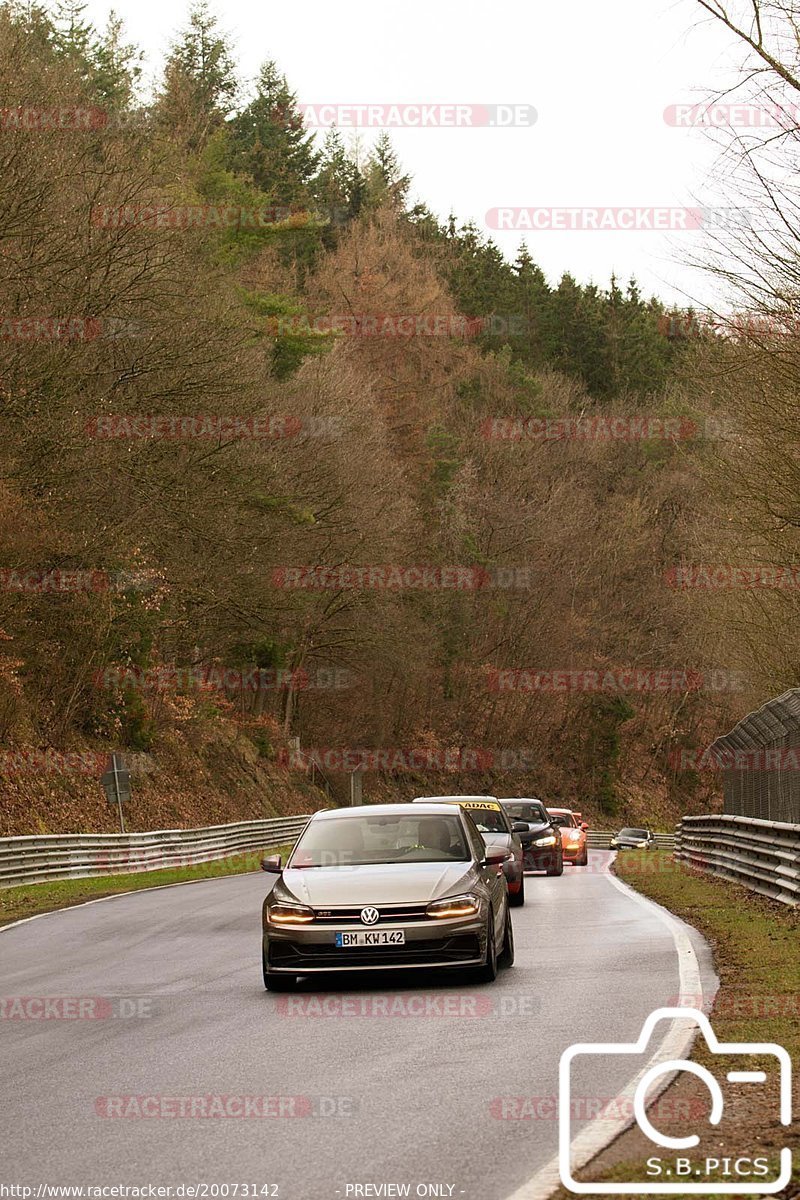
{"x": 692, "y": 1177}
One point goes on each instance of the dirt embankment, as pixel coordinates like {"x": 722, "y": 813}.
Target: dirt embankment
{"x": 189, "y": 778}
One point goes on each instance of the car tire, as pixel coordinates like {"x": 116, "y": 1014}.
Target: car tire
{"x": 584, "y": 860}
{"x": 274, "y": 982}
{"x": 488, "y": 972}
{"x": 556, "y": 867}
{"x": 517, "y": 899}
{"x": 506, "y": 955}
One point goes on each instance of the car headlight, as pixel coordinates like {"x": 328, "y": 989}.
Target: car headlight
{"x": 641, "y": 845}
{"x": 289, "y": 914}
{"x": 545, "y": 841}
{"x": 455, "y": 906}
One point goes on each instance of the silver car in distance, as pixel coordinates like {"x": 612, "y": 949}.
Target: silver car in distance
{"x": 387, "y": 886}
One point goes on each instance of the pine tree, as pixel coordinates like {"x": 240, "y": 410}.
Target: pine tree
{"x": 269, "y": 141}
{"x": 339, "y": 186}
{"x": 385, "y": 181}
{"x": 199, "y": 86}
{"x": 533, "y": 296}
{"x": 35, "y": 21}
{"x": 117, "y": 65}
{"x": 74, "y": 37}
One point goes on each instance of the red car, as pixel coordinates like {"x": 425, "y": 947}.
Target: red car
{"x": 574, "y": 842}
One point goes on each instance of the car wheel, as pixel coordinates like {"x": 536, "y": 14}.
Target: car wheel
{"x": 274, "y": 982}
{"x": 583, "y": 861}
{"x": 517, "y": 899}
{"x": 488, "y": 972}
{"x": 556, "y": 867}
{"x": 506, "y": 956}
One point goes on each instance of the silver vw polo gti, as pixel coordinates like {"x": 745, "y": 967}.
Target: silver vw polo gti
{"x": 387, "y": 886}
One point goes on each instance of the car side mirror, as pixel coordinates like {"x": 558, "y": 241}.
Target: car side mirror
{"x": 495, "y": 858}
{"x": 520, "y": 827}
{"x": 272, "y": 864}
{"x": 584, "y": 826}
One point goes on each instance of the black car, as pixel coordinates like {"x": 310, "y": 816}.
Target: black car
{"x": 633, "y": 839}
{"x": 541, "y": 845}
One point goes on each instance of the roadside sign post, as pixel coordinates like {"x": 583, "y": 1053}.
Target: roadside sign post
{"x": 116, "y": 782}
{"x": 356, "y": 793}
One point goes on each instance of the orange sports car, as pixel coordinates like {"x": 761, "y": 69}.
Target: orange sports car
{"x": 574, "y": 842}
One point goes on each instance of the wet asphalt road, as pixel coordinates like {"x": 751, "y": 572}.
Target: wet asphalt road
{"x": 428, "y": 1095}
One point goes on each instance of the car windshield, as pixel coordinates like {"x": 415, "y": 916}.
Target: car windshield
{"x": 488, "y": 820}
{"x": 527, "y": 812}
{"x": 565, "y": 820}
{"x": 639, "y": 834}
{"x": 361, "y": 840}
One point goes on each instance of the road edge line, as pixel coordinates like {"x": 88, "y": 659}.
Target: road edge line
{"x": 676, "y": 1043}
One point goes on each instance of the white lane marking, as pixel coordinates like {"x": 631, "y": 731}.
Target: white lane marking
{"x": 676, "y": 1043}
{"x": 157, "y": 887}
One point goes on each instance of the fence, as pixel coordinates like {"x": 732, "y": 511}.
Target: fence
{"x": 79, "y": 855}
{"x": 762, "y": 855}
{"x": 75, "y": 856}
{"x": 760, "y": 762}
{"x": 600, "y": 839}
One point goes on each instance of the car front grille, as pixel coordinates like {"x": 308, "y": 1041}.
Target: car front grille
{"x": 388, "y": 914}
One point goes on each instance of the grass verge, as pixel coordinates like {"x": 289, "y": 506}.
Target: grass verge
{"x": 27, "y": 900}
{"x": 755, "y": 945}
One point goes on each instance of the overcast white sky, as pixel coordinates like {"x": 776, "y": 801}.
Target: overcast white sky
{"x": 599, "y": 76}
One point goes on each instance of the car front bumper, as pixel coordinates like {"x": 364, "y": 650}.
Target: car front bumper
{"x": 312, "y": 949}
{"x": 540, "y": 858}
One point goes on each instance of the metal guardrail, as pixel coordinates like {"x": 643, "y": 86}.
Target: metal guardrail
{"x": 600, "y": 839}
{"x": 37, "y": 859}
{"x": 762, "y": 855}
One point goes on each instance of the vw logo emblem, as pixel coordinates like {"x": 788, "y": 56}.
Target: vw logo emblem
{"x": 369, "y": 915}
